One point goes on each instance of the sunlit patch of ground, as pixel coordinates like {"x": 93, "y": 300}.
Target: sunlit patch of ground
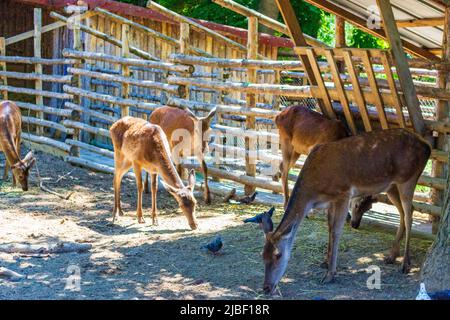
{"x": 140, "y": 261}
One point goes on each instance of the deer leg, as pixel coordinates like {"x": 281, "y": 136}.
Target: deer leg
{"x": 154, "y": 180}
{"x": 406, "y": 191}
{"x": 140, "y": 189}
{"x": 5, "y": 172}
{"x": 330, "y": 217}
{"x": 146, "y": 187}
{"x": 14, "y": 181}
{"x": 121, "y": 167}
{"x": 394, "y": 197}
{"x": 339, "y": 211}
{"x": 207, "y": 193}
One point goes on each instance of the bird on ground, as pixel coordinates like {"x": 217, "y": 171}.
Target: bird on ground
{"x": 230, "y": 196}
{"x": 259, "y": 217}
{"x": 214, "y": 246}
{"x": 248, "y": 199}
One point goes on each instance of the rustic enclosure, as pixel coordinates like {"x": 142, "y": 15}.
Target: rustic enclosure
{"x": 99, "y": 65}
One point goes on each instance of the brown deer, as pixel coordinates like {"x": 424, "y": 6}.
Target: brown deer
{"x": 301, "y": 129}
{"x": 177, "y": 122}
{"x": 10, "y": 131}
{"x": 335, "y": 172}
{"x": 142, "y": 145}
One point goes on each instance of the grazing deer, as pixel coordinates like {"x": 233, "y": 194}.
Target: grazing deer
{"x": 301, "y": 129}
{"x": 10, "y": 131}
{"x": 142, "y": 145}
{"x": 335, "y": 172}
{"x": 173, "y": 121}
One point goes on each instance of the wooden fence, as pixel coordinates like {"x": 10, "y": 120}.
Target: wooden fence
{"x": 248, "y": 89}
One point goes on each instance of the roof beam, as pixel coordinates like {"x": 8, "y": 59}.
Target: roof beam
{"x": 402, "y": 66}
{"x": 426, "y": 22}
{"x": 362, "y": 24}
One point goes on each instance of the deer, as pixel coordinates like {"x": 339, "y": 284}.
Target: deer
{"x": 142, "y": 145}
{"x": 388, "y": 161}
{"x": 176, "y": 122}
{"x": 300, "y": 130}
{"x": 10, "y": 139}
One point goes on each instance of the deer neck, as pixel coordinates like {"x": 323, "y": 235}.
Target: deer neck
{"x": 7, "y": 144}
{"x": 170, "y": 175}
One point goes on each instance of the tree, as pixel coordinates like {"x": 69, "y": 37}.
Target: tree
{"x": 436, "y": 269}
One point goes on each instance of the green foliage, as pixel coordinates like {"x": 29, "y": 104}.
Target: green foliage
{"x": 314, "y": 21}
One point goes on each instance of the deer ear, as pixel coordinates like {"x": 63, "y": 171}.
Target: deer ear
{"x": 191, "y": 114}
{"x": 206, "y": 121}
{"x": 31, "y": 162}
{"x": 169, "y": 188}
{"x": 191, "y": 180}
{"x": 267, "y": 224}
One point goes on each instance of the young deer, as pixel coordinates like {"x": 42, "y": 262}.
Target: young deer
{"x": 176, "y": 122}
{"x": 10, "y": 130}
{"x": 301, "y": 129}
{"x": 142, "y": 145}
{"x": 364, "y": 165}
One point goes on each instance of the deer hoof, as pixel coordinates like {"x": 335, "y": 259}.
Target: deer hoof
{"x": 155, "y": 222}
{"x": 141, "y": 220}
{"x": 208, "y": 200}
{"x": 324, "y": 265}
{"x": 329, "y": 278}
{"x": 405, "y": 268}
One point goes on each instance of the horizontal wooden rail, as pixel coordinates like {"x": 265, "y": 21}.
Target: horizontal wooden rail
{"x": 85, "y": 127}
{"x": 90, "y": 112}
{"x": 33, "y": 92}
{"x": 97, "y": 56}
{"x": 47, "y": 123}
{"x": 50, "y": 110}
{"x": 32, "y": 60}
{"x": 48, "y": 141}
{"x": 35, "y": 76}
{"x": 172, "y": 89}
{"x": 89, "y": 147}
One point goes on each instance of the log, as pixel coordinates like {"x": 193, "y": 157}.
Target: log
{"x": 85, "y": 127}
{"x": 47, "y": 248}
{"x": 97, "y": 56}
{"x": 32, "y": 60}
{"x": 33, "y": 92}
{"x": 172, "y": 89}
{"x": 96, "y": 114}
{"x": 277, "y": 89}
{"x": 35, "y": 76}
{"x": 149, "y": 31}
{"x": 236, "y": 63}
{"x": 138, "y": 52}
{"x": 48, "y": 141}
{"x": 10, "y": 275}
{"x": 89, "y": 147}
{"x": 96, "y": 167}
{"x": 45, "y": 148}
{"x": 47, "y": 123}
{"x": 50, "y": 110}
{"x": 110, "y": 99}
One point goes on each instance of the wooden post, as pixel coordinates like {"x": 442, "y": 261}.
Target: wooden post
{"x": 402, "y": 66}
{"x": 439, "y": 169}
{"x": 38, "y": 67}
{"x": 340, "y": 39}
{"x": 76, "y": 80}
{"x": 185, "y": 30}
{"x": 251, "y": 142}
{"x": 4, "y": 80}
{"x": 125, "y": 52}
{"x": 299, "y": 40}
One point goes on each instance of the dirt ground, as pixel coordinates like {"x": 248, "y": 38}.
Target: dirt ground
{"x": 133, "y": 261}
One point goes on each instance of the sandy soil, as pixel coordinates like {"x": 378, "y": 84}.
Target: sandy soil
{"x": 132, "y": 261}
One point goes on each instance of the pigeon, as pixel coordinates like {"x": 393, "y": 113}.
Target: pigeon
{"x": 214, "y": 246}
{"x": 423, "y": 295}
{"x": 248, "y": 200}
{"x": 230, "y": 196}
{"x": 259, "y": 218}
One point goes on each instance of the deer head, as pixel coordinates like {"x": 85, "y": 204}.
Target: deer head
{"x": 275, "y": 254}
{"x": 359, "y": 206}
{"x": 21, "y": 170}
{"x": 185, "y": 198}
{"x": 202, "y": 125}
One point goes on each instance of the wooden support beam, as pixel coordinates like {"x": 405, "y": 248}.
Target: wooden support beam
{"x": 4, "y": 80}
{"x": 251, "y": 142}
{"x": 296, "y": 34}
{"x": 38, "y": 67}
{"x": 125, "y": 53}
{"x": 426, "y": 22}
{"x": 402, "y": 66}
{"x": 361, "y": 23}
